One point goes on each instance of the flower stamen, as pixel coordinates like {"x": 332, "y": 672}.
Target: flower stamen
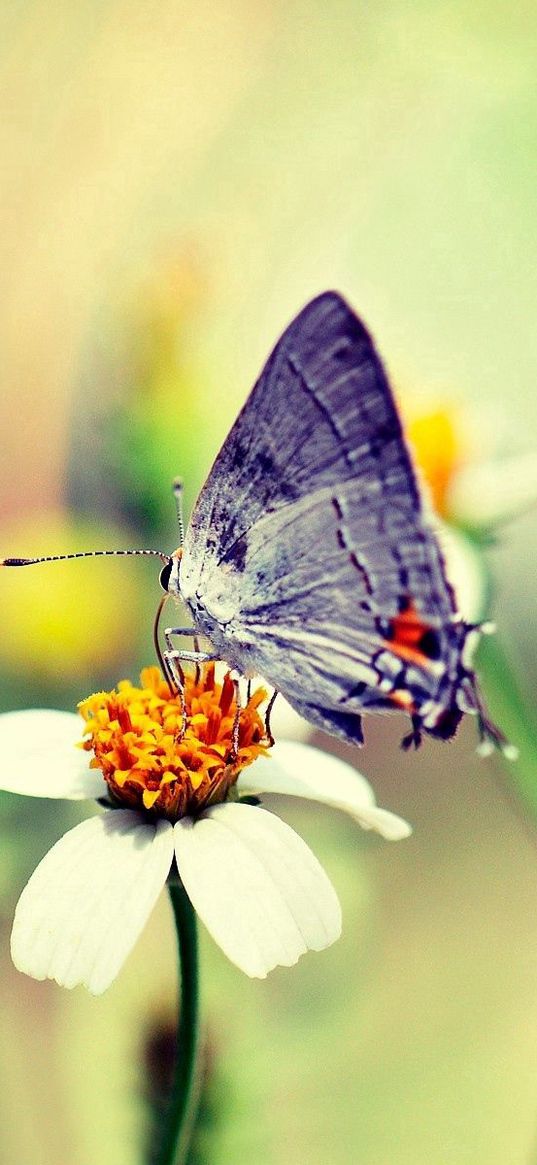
{"x": 152, "y": 760}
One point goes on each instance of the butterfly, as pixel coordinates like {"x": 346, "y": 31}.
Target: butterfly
{"x": 311, "y": 558}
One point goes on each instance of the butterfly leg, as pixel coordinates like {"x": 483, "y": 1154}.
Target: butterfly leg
{"x": 169, "y": 632}
{"x": 173, "y": 654}
{"x": 172, "y": 659}
{"x": 413, "y": 739}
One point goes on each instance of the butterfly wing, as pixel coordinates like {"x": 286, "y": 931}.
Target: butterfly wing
{"x": 309, "y": 556}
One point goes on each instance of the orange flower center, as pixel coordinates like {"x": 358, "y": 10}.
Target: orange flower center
{"x": 156, "y": 758}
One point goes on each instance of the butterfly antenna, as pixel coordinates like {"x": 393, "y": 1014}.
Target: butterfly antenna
{"x": 85, "y": 554}
{"x": 178, "y": 491}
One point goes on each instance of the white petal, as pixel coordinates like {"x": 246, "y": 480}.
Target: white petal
{"x": 390, "y": 826}
{"x": 286, "y": 723}
{"x": 259, "y": 890}
{"x": 302, "y": 771}
{"x": 484, "y": 495}
{"x": 88, "y": 900}
{"x": 39, "y": 757}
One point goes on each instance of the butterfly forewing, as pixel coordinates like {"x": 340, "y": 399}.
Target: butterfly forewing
{"x": 315, "y": 417}
{"x": 309, "y": 556}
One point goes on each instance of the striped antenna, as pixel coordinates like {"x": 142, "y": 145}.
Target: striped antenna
{"x": 178, "y": 488}
{"x": 85, "y": 554}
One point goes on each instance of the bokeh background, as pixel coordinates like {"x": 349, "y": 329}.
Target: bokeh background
{"x": 177, "y": 180}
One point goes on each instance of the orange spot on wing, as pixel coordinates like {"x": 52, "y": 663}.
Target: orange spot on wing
{"x": 402, "y": 699}
{"x": 411, "y": 638}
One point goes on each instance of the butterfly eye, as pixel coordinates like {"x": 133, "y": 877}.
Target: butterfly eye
{"x": 165, "y": 576}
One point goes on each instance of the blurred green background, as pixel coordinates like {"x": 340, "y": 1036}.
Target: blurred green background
{"x": 177, "y": 180}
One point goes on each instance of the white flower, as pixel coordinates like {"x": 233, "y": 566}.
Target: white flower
{"x": 472, "y": 487}
{"x": 254, "y": 883}
{"x": 472, "y": 482}
{"x": 486, "y": 494}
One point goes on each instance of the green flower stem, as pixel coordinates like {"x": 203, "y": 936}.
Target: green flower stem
{"x": 181, "y": 1113}
{"x": 513, "y": 714}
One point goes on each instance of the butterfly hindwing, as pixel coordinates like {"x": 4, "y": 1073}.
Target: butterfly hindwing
{"x": 328, "y": 605}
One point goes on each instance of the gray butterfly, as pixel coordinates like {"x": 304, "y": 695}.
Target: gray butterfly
{"x": 310, "y": 558}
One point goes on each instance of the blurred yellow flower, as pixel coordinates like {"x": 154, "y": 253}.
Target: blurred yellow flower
{"x": 67, "y": 619}
{"x": 471, "y": 483}
{"x": 435, "y": 437}
{"x": 471, "y": 487}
